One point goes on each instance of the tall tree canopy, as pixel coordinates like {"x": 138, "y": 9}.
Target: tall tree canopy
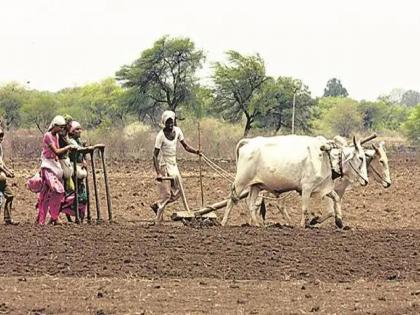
{"x": 94, "y": 104}
{"x": 410, "y": 98}
{"x": 279, "y": 113}
{"x": 334, "y": 88}
{"x": 238, "y": 88}
{"x": 412, "y": 125}
{"x": 163, "y": 77}
{"x": 339, "y": 115}
{"x": 12, "y": 98}
{"x": 39, "y": 109}
{"x": 383, "y": 114}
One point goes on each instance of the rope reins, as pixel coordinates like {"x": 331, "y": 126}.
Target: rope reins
{"x": 223, "y": 173}
{"x": 377, "y": 174}
{"x": 355, "y": 170}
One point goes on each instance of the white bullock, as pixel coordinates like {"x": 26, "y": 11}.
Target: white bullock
{"x": 377, "y": 163}
{"x": 293, "y": 163}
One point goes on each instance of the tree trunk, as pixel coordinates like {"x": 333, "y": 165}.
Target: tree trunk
{"x": 247, "y": 126}
{"x": 172, "y": 107}
{"x": 278, "y": 125}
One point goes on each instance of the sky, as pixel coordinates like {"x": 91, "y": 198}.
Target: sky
{"x": 372, "y": 46}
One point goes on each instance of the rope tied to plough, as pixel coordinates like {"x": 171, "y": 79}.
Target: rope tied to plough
{"x": 231, "y": 178}
{"x": 223, "y": 173}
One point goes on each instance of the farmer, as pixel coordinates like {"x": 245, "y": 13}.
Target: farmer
{"x": 166, "y": 167}
{"x": 75, "y": 130}
{"x": 52, "y": 193}
{"x": 5, "y": 190}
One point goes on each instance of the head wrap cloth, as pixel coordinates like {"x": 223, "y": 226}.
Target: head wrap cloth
{"x": 166, "y": 115}
{"x": 57, "y": 121}
{"x": 74, "y": 125}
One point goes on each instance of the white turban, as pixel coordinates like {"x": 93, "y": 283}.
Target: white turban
{"x": 74, "y": 125}
{"x": 57, "y": 121}
{"x": 166, "y": 115}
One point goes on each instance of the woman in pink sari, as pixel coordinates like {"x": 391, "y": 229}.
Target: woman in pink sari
{"x": 52, "y": 193}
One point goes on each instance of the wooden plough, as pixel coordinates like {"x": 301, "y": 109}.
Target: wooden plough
{"x": 206, "y": 212}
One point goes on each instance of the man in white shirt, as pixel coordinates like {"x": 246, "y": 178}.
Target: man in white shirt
{"x": 168, "y": 176}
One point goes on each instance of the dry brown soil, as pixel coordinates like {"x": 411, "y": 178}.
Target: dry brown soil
{"x": 132, "y": 267}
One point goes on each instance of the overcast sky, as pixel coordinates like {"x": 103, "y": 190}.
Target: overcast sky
{"x": 372, "y": 46}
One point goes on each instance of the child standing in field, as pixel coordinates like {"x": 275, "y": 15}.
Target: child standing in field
{"x": 52, "y": 193}
{"x": 5, "y": 190}
{"x": 166, "y": 167}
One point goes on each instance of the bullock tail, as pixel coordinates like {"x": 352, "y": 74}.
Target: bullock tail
{"x": 233, "y": 193}
{"x": 240, "y": 144}
{"x": 263, "y": 209}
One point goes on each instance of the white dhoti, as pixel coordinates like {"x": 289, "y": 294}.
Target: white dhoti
{"x": 169, "y": 190}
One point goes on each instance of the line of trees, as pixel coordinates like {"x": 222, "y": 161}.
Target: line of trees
{"x": 165, "y": 77}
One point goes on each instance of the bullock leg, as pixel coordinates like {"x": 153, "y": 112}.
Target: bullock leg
{"x": 337, "y": 209}
{"x": 339, "y": 189}
{"x": 306, "y": 202}
{"x": 253, "y": 205}
{"x": 234, "y": 198}
{"x": 329, "y": 214}
{"x": 229, "y": 207}
{"x": 260, "y": 203}
{"x": 285, "y": 214}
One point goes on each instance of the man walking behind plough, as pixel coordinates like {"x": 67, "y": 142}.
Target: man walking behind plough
{"x": 170, "y": 182}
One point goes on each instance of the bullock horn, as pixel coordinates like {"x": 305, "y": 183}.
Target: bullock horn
{"x": 371, "y": 137}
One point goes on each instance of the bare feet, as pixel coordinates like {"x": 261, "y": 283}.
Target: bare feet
{"x": 10, "y": 222}
{"x": 55, "y": 222}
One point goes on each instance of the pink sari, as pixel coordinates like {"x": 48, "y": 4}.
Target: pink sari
{"x": 52, "y": 193}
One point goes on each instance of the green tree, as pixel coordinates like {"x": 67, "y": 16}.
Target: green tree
{"x": 410, "y": 98}
{"x": 142, "y": 106}
{"x": 99, "y": 103}
{"x": 412, "y": 126}
{"x": 104, "y": 101}
{"x": 384, "y": 114}
{"x": 200, "y": 104}
{"x": 395, "y": 96}
{"x": 338, "y": 115}
{"x": 374, "y": 114}
{"x": 334, "y": 88}
{"x": 164, "y": 74}
{"x": 12, "y": 97}
{"x": 72, "y": 103}
{"x": 279, "y": 114}
{"x": 238, "y": 87}
{"x": 39, "y": 109}
{"x": 395, "y": 116}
